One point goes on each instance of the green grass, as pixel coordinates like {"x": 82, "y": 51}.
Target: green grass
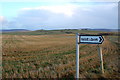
{"x": 50, "y": 32}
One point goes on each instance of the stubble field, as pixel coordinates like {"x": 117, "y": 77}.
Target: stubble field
{"x": 53, "y": 56}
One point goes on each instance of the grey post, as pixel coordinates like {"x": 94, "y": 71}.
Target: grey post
{"x": 101, "y": 58}
{"x": 77, "y": 55}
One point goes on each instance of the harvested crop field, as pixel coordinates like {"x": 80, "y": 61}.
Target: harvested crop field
{"x": 53, "y": 56}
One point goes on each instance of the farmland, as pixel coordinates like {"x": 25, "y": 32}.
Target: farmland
{"x": 43, "y": 55}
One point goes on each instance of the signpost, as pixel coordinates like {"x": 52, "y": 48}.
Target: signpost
{"x": 101, "y": 58}
{"x": 77, "y": 55}
{"x": 88, "y": 39}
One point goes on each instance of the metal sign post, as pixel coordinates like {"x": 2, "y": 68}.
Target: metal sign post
{"x": 77, "y": 56}
{"x": 88, "y": 39}
{"x": 101, "y": 59}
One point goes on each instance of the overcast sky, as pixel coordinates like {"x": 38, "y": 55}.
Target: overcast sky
{"x": 58, "y": 15}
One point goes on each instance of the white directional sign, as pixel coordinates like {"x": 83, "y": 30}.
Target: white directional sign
{"x": 90, "y": 39}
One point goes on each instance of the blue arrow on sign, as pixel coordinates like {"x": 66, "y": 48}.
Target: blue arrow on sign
{"x": 90, "y": 39}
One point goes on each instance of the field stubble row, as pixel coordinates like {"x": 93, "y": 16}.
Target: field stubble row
{"x": 51, "y": 56}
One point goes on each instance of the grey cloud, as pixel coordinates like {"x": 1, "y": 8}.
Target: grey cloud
{"x": 93, "y": 16}
{"x": 99, "y": 17}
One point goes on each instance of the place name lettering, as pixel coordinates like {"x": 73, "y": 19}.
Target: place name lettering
{"x": 89, "y": 39}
